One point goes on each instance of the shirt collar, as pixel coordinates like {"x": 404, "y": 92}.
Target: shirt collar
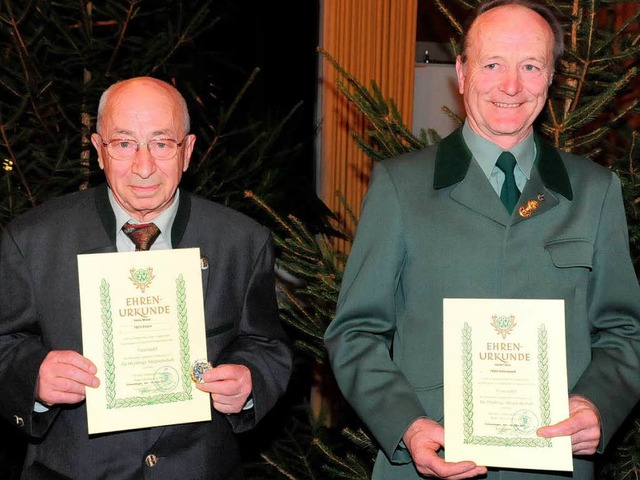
{"x": 486, "y": 153}
{"x": 164, "y": 221}
{"x": 453, "y": 157}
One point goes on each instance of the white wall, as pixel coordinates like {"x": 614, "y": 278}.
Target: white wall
{"x": 436, "y": 86}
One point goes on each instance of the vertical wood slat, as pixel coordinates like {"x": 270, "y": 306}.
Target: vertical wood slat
{"x": 373, "y": 40}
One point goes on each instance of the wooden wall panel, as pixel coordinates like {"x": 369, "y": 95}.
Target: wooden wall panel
{"x": 372, "y": 40}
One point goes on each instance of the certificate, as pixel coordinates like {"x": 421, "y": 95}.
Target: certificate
{"x": 143, "y": 327}
{"x": 505, "y": 376}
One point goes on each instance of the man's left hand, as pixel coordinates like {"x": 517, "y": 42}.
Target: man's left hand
{"x": 583, "y": 425}
{"x": 229, "y": 386}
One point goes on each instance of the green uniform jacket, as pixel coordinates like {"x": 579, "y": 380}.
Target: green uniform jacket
{"x": 432, "y": 227}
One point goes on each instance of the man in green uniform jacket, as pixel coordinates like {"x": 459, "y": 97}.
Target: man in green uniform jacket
{"x": 433, "y": 226}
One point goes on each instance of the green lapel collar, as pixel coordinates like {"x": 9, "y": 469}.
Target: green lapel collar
{"x": 453, "y": 158}
{"x": 551, "y": 168}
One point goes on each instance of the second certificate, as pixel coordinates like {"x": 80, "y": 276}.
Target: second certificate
{"x": 505, "y": 377}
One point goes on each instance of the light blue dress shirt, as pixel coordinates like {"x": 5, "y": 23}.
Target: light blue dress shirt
{"x": 486, "y": 153}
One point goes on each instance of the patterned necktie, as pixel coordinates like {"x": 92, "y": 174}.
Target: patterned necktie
{"x": 142, "y": 235}
{"x": 509, "y": 193}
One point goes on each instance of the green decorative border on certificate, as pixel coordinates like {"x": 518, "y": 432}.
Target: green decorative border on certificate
{"x": 109, "y": 361}
{"x": 467, "y": 395}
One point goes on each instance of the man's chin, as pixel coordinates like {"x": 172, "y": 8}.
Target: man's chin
{"x": 145, "y": 210}
{"x": 510, "y": 130}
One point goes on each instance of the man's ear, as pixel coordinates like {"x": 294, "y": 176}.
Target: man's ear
{"x": 188, "y": 150}
{"x": 97, "y": 144}
{"x": 460, "y": 74}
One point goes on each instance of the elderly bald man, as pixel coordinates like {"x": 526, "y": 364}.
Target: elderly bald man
{"x": 144, "y": 146}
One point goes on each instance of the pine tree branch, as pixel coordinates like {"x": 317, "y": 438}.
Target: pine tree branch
{"x": 449, "y": 16}
{"x": 16, "y": 164}
{"x": 189, "y": 32}
{"x": 124, "y": 24}
{"x": 589, "y": 111}
{"x": 225, "y": 118}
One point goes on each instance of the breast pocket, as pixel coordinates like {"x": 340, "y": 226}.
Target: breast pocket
{"x": 571, "y": 253}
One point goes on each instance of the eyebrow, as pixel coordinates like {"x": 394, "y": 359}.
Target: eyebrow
{"x": 543, "y": 62}
{"x": 537, "y": 59}
{"x": 156, "y": 133}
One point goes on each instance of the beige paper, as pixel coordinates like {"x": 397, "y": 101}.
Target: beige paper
{"x": 143, "y": 327}
{"x": 505, "y": 376}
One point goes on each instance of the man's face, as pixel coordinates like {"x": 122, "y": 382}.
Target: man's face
{"x": 143, "y": 110}
{"x": 507, "y": 73}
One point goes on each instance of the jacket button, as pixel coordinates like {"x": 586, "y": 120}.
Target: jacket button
{"x": 19, "y": 421}
{"x": 151, "y": 460}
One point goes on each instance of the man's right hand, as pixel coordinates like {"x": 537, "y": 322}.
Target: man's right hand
{"x": 63, "y": 376}
{"x": 424, "y": 438}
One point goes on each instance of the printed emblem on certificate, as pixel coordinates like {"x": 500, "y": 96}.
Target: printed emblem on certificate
{"x": 505, "y": 376}
{"x": 143, "y": 327}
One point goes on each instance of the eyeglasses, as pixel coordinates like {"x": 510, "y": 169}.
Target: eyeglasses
{"x": 126, "y": 148}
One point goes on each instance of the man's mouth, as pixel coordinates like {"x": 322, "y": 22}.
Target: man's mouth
{"x": 507, "y": 105}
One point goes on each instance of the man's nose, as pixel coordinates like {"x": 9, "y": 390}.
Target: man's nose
{"x": 143, "y": 163}
{"x": 511, "y": 82}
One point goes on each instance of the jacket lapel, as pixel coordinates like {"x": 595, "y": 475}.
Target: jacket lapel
{"x": 182, "y": 218}
{"x": 96, "y": 240}
{"x": 454, "y": 166}
{"x": 178, "y": 230}
{"x": 476, "y": 193}
{"x": 535, "y": 199}
{"x": 548, "y": 178}
{"x": 551, "y": 168}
